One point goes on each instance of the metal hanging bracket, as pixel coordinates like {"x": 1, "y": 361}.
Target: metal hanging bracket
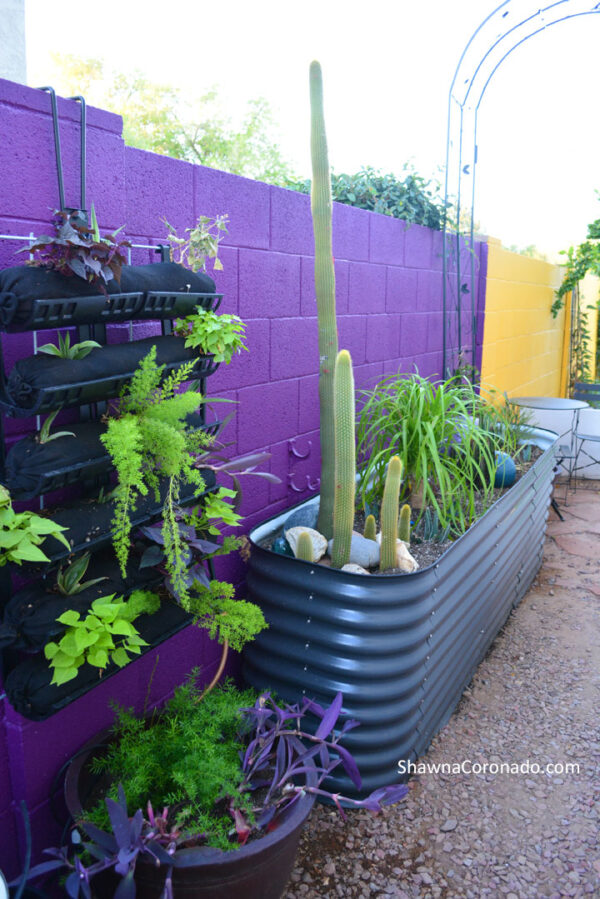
{"x": 80, "y": 212}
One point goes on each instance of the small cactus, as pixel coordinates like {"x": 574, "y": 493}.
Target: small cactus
{"x": 304, "y": 547}
{"x": 389, "y": 514}
{"x": 370, "y": 528}
{"x": 404, "y": 528}
{"x": 345, "y": 460}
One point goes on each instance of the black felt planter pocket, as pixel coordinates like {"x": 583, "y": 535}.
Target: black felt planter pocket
{"x": 41, "y": 383}
{"x": 33, "y": 297}
{"x": 28, "y": 686}
{"x": 89, "y": 524}
{"x": 33, "y": 468}
{"x": 30, "y": 615}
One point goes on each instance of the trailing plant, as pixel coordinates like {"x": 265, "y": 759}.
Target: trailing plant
{"x": 229, "y": 766}
{"x": 230, "y": 621}
{"x": 389, "y": 514}
{"x": 201, "y": 244}
{"x": 21, "y": 533}
{"x": 215, "y": 335}
{"x": 69, "y": 580}
{"x": 106, "y": 634}
{"x": 447, "y": 456}
{"x": 148, "y": 440}
{"x": 78, "y": 249}
{"x": 345, "y": 460}
{"x": 404, "y": 526}
{"x": 409, "y": 197}
{"x": 64, "y": 350}
{"x": 321, "y": 207}
{"x": 44, "y": 435}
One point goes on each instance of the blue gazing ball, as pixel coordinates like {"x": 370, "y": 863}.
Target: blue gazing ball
{"x": 505, "y": 471}
{"x": 282, "y": 547}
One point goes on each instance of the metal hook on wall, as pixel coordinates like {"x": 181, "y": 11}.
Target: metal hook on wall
{"x": 295, "y": 453}
{"x": 309, "y": 485}
{"x": 82, "y": 152}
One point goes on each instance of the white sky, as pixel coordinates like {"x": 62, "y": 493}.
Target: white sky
{"x": 387, "y": 69}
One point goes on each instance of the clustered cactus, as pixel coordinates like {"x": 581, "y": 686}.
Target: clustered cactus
{"x": 304, "y": 547}
{"x": 389, "y": 514}
{"x": 321, "y": 207}
{"x": 404, "y": 527}
{"x": 345, "y": 459}
{"x": 370, "y": 528}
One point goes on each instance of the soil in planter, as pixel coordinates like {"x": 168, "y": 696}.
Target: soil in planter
{"x": 427, "y": 552}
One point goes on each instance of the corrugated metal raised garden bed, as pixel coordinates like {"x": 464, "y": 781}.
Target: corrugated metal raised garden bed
{"x": 401, "y": 648}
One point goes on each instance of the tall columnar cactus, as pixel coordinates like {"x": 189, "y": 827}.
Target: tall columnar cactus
{"x": 370, "y": 532}
{"x": 404, "y": 528}
{"x": 345, "y": 461}
{"x": 304, "y": 547}
{"x": 321, "y": 206}
{"x": 389, "y": 514}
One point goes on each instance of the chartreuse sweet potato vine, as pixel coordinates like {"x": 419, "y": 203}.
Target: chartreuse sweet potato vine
{"x": 21, "y": 533}
{"x": 150, "y": 440}
{"x": 106, "y": 634}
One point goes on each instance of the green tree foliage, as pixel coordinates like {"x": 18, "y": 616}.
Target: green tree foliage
{"x": 156, "y": 117}
{"x": 409, "y": 197}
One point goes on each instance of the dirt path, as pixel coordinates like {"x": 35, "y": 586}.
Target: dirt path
{"x": 535, "y": 697}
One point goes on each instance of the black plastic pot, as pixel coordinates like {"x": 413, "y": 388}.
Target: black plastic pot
{"x": 258, "y": 870}
{"x": 33, "y": 298}
{"x": 401, "y": 648}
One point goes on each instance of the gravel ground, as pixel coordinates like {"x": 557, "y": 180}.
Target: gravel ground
{"x": 535, "y": 696}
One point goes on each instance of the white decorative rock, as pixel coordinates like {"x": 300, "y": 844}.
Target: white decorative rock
{"x": 319, "y": 542}
{"x": 363, "y": 552}
{"x": 354, "y": 569}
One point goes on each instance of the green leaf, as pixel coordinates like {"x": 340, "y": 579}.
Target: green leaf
{"x": 122, "y": 627}
{"x": 29, "y": 553}
{"x": 63, "y": 675}
{"x": 50, "y": 650}
{"x": 70, "y": 618}
{"x": 98, "y": 658}
{"x": 120, "y": 657}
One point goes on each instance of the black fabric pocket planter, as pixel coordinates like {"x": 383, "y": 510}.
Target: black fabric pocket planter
{"x": 33, "y": 468}
{"x": 28, "y": 686}
{"x": 30, "y": 615}
{"x": 89, "y": 525}
{"x": 41, "y": 383}
{"x": 33, "y": 297}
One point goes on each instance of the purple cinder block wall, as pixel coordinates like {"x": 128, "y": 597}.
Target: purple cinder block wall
{"x": 389, "y": 303}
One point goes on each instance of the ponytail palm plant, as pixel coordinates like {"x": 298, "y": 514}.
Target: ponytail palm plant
{"x": 448, "y": 458}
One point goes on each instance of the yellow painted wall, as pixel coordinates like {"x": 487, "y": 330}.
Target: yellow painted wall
{"x": 522, "y": 344}
{"x": 589, "y": 290}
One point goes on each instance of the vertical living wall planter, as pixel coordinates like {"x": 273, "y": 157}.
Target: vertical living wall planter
{"x": 33, "y": 299}
{"x": 401, "y": 648}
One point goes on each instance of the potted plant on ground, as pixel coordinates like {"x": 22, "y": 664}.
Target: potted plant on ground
{"x": 208, "y": 798}
{"x": 402, "y": 646}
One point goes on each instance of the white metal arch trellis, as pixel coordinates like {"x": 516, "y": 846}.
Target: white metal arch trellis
{"x": 509, "y": 25}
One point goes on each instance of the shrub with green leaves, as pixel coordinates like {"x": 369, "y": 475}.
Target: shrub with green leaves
{"x": 21, "y": 533}
{"x": 448, "y": 458}
{"x": 188, "y": 760}
{"x": 105, "y": 635}
{"x": 215, "y": 335}
{"x": 150, "y": 440}
{"x": 411, "y": 197}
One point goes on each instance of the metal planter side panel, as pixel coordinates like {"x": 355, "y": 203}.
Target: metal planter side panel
{"x": 400, "y": 648}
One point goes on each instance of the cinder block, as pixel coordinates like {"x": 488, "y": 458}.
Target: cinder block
{"x": 386, "y": 240}
{"x": 366, "y": 288}
{"x": 267, "y": 414}
{"x": 291, "y": 222}
{"x": 401, "y": 290}
{"x": 246, "y": 202}
{"x": 294, "y": 347}
{"x": 269, "y": 284}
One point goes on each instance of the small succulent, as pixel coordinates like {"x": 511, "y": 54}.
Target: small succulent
{"x": 64, "y": 350}
{"x": 69, "y": 580}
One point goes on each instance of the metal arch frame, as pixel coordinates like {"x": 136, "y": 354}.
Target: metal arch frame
{"x": 487, "y": 48}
